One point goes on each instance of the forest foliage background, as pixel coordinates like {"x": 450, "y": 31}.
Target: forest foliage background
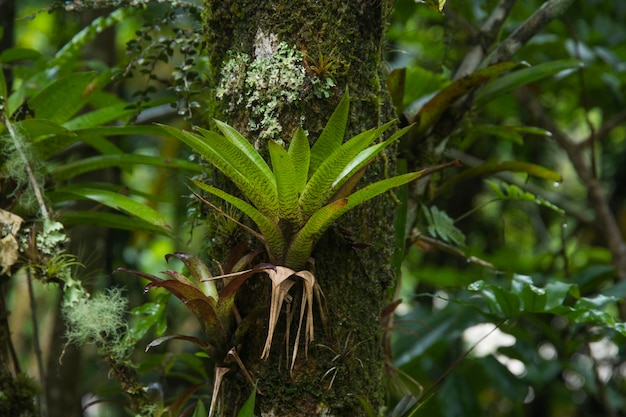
{"x": 511, "y": 268}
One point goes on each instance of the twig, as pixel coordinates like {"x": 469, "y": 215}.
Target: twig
{"x": 605, "y": 129}
{"x": 453, "y": 250}
{"x": 486, "y": 36}
{"x": 548, "y": 11}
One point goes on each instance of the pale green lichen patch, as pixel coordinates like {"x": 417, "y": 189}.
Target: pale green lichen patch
{"x": 100, "y": 320}
{"x": 265, "y": 85}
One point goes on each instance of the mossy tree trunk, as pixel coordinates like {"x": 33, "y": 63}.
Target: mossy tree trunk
{"x": 329, "y": 40}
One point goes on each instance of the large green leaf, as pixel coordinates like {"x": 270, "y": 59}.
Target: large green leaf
{"x": 286, "y": 185}
{"x": 302, "y": 244}
{"x": 523, "y": 77}
{"x": 82, "y": 166}
{"x": 110, "y": 220}
{"x": 332, "y": 135}
{"x": 116, "y": 201}
{"x": 319, "y": 190}
{"x": 264, "y": 198}
{"x": 63, "y": 98}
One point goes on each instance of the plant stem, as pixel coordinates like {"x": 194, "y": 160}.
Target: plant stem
{"x": 37, "y": 346}
{"x": 31, "y": 176}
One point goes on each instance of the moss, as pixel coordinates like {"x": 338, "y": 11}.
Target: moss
{"x": 354, "y": 281}
{"x": 17, "y": 395}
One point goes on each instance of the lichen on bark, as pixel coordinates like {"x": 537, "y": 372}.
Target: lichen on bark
{"x": 353, "y": 258}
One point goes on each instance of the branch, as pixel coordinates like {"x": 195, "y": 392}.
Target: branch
{"x": 549, "y": 11}
{"x": 487, "y": 35}
{"x": 606, "y": 221}
{"x": 605, "y": 129}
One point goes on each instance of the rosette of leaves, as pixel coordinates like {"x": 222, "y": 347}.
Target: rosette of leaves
{"x": 212, "y": 307}
{"x": 307, "y": 188}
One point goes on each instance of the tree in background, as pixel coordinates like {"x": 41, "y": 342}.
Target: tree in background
{"x": 530, "y": 262}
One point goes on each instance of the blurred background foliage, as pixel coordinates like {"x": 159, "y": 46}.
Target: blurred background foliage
{"x": 511, "y": 284}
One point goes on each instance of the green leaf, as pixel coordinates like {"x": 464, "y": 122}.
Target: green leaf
{"x": 101, "y": 116}
{"x": 148, "y": 130}
{"x": 430, "y": 113}
{"x": 82, "y": 166}
{"x": 332, "y": 135}
{"x": 110, "y": 220}
{"x": 63, "y": 98}
{"x": 235, "y": 164}
{"x": 300, "y": 153}
{"x": 522, "y": 77}
{"x": 248, "y": 150}
{"x": 19, "y": 54}
{"x": 116, "y": 201}
{"x": 489, "y": 168}
{"x": 268, "y": 229}
{"x": 513, "y": 192}
{"x": 3, "y": 87}
{"x": 148, "y": 315}
{"x": 400, "y": 219}
{"x": 318, "y": 189}
{"x": 286, "y": 185}
{"x": 369, "y": 410}
{"x": 200, "y": 410}
{"x": 302, "y": 244}
{"x": 365, "y": 157}
{"x": 441, "y": 225}
{"x": 247, "y": 410}
{"x": 37, "y": 128}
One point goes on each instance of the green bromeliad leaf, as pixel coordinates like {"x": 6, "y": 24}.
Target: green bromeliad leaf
{"x": 268, "y": 228}
{"x": 319, "y": 189}
{"x": 365, "y": 157}
{"x": 302, "y": 244}
{"x": 229, "y": 158}
{"x": 286, "y": 185}
{"x": 300, "y": 153}
{"x": 332, "y": 136}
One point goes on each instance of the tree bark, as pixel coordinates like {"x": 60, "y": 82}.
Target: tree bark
{"x": 352, "y": 260}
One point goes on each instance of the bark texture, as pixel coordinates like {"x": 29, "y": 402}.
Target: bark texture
{"x": 352, "y": 260}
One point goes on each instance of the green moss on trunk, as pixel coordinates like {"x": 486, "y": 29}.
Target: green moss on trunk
{"x": 340, "y": 40}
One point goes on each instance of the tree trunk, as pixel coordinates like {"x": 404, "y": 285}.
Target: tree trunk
{"x": 342, "y": 41}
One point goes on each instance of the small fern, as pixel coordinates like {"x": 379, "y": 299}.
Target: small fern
{"x": 441, "y": 225}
